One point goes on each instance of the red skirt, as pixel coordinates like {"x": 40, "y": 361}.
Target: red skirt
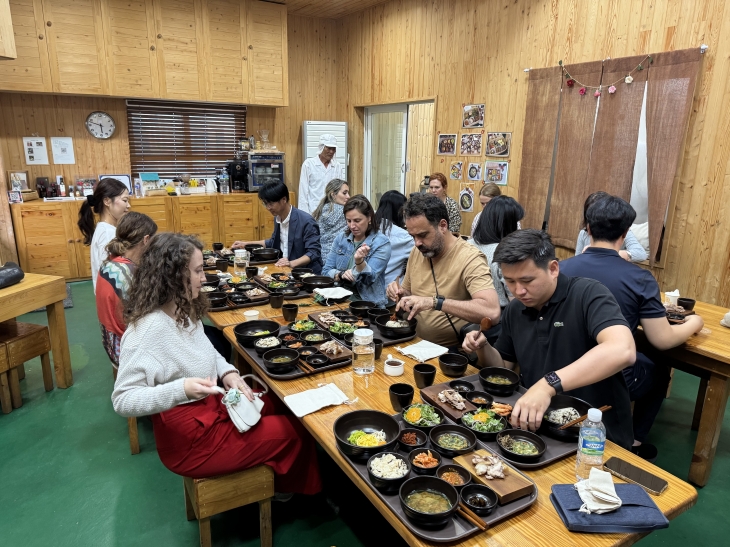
{"x": 199, "y": 440}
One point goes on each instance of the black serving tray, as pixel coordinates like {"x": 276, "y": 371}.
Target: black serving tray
{"x": 314, "y": 316}
{"x": 458, "y": 528}
{"x": 556, "y": 449}
{"x": 232, "y": 306}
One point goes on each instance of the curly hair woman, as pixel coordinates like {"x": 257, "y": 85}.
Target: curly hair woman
{"x": 168, "y": 368}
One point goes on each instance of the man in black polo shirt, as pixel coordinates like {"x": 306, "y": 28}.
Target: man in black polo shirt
{"x": 567, "y": 334}
{"x": 637, "y": 293}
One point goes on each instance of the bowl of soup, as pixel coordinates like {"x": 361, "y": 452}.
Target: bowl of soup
{"x": 280, "y": 361}
{"x": 428, "y": 501}
{"x": 521, "y": 446}
{"x": 499, "y": 381}
{"x": 452, "y": 440}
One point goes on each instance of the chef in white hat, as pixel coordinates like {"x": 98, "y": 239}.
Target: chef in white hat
{"x": 317, "y": 172}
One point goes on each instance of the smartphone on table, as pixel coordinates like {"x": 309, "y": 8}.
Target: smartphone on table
{"x": 630, "y": 473}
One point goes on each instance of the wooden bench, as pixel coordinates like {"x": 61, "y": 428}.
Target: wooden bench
{"x": 210, "y": 496}
{"x": 20, "y": 342}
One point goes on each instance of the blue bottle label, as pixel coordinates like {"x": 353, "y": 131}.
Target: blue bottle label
{"x": 592, "y": 446}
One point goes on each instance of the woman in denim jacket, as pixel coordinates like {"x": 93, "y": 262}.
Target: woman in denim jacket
{"x": 360, "y": 256}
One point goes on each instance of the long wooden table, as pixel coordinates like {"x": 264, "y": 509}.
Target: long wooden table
{"x": 706, "y": 355}
{"x": 33, "y": 292}
{"x": 538, "y": 525}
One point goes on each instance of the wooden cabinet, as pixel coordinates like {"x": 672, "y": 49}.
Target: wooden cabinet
{"x": 7, "y": 39}
{"x": 76, "y": 46}
{"x": 238, "y": 220}
{"x": 268, "y": 58}
{"x": 131, "y": 47}
{"x": 30, "y": 71}
{"x": 198, "y": 216}
{"x": 231, "y": 51}
{"x": 158, "y": 209}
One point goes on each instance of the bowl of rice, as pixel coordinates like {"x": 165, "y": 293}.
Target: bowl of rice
{"x": 563, "y": 409}
{"x": 388, "y": 470}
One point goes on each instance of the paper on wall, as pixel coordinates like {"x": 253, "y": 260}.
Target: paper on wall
{"x": 35, "y": 149}
{"x": 63, "y": 150}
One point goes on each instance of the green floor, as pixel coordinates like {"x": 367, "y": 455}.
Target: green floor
{"x": 67, "y": 478}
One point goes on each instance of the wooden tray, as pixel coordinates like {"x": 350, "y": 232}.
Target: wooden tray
{"x": 260, "y": 299}
{"x": 430, "y": 396}
{"x": 458, "y": 528}
{"x": 513, "y": 486}
{"x": 556, "y": 450}
{"x": 301, "y": 294}
{"x": 373, "y": 327}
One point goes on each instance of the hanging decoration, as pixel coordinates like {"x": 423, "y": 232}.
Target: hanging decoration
{"x": 570, "y": 81}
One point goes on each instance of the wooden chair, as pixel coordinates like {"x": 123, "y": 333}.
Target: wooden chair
{"x": 20, "y": 342}
{"x": 210, "y": 496}
{"x": 131, "y": 427}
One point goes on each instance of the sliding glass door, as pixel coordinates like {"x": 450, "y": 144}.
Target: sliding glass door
{"x": 385, "y": 150}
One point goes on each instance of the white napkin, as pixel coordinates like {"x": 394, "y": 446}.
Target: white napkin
{"x": 598, "y": 493}
{"x": 333, "y": 293}
{"x": 725, "y": 321}
{"x": 423, "y": 350}
{"x": 313, "y": 400}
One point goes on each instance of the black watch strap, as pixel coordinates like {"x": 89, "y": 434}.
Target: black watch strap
{"x": 554, "y": 380}
{"x": 439, "y": 302}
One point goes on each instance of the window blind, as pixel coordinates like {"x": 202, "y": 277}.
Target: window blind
{"x": 172, "y": 138}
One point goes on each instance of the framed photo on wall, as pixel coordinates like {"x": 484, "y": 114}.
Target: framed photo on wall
{"x": 446, "y": 144}
{"x": 475, "y": 171}
{"x": 471, "y": 144}
{"x": 472, "y": 116}
{"x": 496, "y": 172}
{"x": 17, "y": 181}
{"x": 498, "y": 144}
{"x": 457, "y": 170}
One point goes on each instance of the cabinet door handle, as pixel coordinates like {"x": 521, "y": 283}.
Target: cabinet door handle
{"x": 49, "y": 23}
{"x": 40, "y": 37}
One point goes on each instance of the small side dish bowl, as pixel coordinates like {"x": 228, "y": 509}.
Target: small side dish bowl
{"x": 453, "y": 364}
{"x": 503, "y": 389}
{"x": 417, "y": 469}
{"x": 421, "y": 439}
{"x": 383, "y": 484}
{"x": 393, "y": 367}
{"x": 260, "y": 350}
{"x": 289, "y": 360}
{"x": 521, "y": 435}
{"x": 462, "y": 386}
{"x": 461, "y": 471}
{"x": 483, "y": 499}
{"x": 466, "y": 436}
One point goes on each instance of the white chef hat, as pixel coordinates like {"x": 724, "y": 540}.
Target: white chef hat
{"x": 327, "y": 140}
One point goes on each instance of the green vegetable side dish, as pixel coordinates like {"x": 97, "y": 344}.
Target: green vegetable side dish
{"x": 486, "y": 422}
{"x": 518, "y": 446}
{"x": 452, "y": 441}
{"x": 425, "y": 416}
{"x": 276, "y": 285}
{"x": 342, "y": 328}
{"x": 314, "y": 338}
{"x": 303, "y": 324}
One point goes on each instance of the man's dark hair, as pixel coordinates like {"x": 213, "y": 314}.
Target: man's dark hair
{"x": 273, "y": 191}
{"x": 426, "y": 205}
{"x": 609, "y": 218}
{"x": 525, "y": 245}
{"x": 498, "y": 219}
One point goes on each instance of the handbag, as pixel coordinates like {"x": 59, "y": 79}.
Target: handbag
{"x": 244, "y": 413}
{"x": 10, "y": 274}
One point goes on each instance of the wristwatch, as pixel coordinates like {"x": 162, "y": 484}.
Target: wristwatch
{"x": 554, "y": 380}
{"x": 439, "y": 303}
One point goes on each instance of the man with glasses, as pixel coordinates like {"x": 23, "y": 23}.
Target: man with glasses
{"x": 296, "y": 234}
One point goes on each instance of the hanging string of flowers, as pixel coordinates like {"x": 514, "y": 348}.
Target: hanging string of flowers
{"x": 570, "y": 81}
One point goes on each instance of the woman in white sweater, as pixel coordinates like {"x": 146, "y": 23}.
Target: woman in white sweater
{"x": 168, "y": 368}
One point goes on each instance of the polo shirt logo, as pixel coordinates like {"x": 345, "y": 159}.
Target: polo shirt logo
{"x": 557, "y": 324}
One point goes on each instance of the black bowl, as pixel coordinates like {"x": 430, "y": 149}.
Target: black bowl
{"x": 499, "y": 389}
{"x": 281, "y": 368}
{"x": 325, "y": 336}
{"x": 424, "y": 428}
{"x": 304, "y": 351}
{"x": 217, "y": 299}
{"x": 361, "y": 307}
{"x": 289, "y": 311}
{"x": 520, "y": 434}
{"x": 417, "y": 469}
{"x": 265, "y": 254}
{"x": 421, "y": 439}
{"x": 289, "y": 344}
{"x": 222, "y": 264}
{"x": 289, "y": 291}
{"x": 341, "y": 335}
{"x": 317, "y": 282}
{"x": 348, "y": 340}
{"x": 463, "y": 473}
{"x": 341, "y": 313}
{"x": 476, "y": 394}
{"x": 556, "y": 403}
{"x": 459, "y": 430}
{"x": 687, "y": 303}
{"x": 298, "y": 272}
{"x": 252, "y": 247}
{"x": 383, "y": 484}
{"x": 453, "y": 364}
{"x": 318, "y": 360}
{"x": 374, "y": 313}
{"x": 486, "y": 436}
{"x": 211, "y": 278}
{"x": 461, "y": 386}
{"x": 278, "y": 276}
{"x": 368, "y": 421}
{"x": 395, "y": 332}
{"x": 290, "y": 325}
{"x": 437, "y": 520}
{"x": 294, "y": 334}
{"x": 213, "y": 284}
{"x": 246, "y": 286}
{"x": 261, "y": 350}
{"x": 217, "y": 246}
{"x": 238, "y": 298}
{"x": 483, "y": 492}
{"x": 243, "y": 331}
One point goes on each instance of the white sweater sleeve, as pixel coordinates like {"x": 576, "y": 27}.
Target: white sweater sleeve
{"x": 139, "y": 390}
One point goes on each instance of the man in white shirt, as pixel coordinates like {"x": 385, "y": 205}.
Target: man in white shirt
{"x": 317, "y": 172}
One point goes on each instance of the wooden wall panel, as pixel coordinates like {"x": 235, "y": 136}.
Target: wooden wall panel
{"x": 22, "y": 115}
{"x": 465, "y": 51}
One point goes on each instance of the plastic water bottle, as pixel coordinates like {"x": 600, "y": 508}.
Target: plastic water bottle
{"x": 240, "y": 262}
{"x": 591, "y": 443}
{"x": 363, "y": 352}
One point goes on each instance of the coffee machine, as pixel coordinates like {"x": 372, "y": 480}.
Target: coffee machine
{"x": 238, "y": 174}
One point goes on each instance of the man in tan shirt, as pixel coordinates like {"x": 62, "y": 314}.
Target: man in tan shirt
{"x": 448, "y": 283}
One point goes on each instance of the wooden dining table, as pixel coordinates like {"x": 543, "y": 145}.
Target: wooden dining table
{"x": 35, "y": 291}
{"x": 537, "y": 525}
{"x": 706, "y": 355}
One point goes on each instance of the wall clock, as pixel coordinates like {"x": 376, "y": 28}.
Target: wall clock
{"x": 100, "y": 124}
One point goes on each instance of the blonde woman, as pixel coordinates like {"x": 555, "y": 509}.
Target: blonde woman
{"x": 438, "y": 186}
{"x": 329, "y": 213}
